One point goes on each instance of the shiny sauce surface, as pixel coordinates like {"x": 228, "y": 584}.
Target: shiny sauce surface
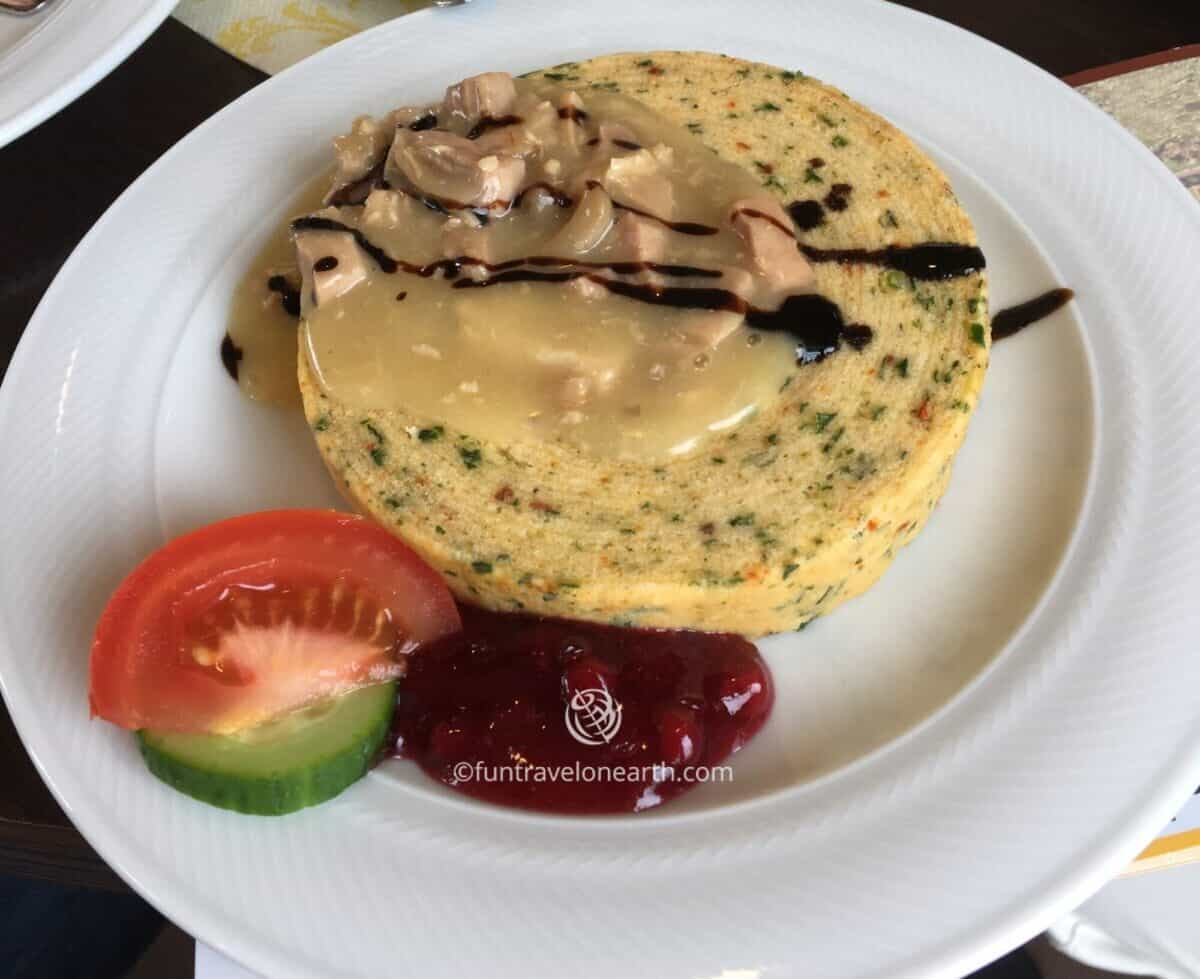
{"x": 503, "y": 709}
{"x": 604, "y": 304}
{"x": 264, "y": 314}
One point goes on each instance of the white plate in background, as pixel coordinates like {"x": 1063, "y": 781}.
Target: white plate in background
{"x": 955, "y": 758}
{"x": 50, "y": 58}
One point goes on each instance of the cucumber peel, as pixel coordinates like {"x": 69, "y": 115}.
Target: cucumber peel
{"x": 299, "y": 760}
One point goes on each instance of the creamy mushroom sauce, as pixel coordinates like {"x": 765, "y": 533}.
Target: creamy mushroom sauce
{"x": 513, "y": 261}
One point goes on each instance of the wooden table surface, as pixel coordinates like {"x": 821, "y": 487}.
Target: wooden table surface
{"x": 64, "y": 174}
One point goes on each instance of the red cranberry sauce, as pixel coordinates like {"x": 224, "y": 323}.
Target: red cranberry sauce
{"x": 572, "y": 717}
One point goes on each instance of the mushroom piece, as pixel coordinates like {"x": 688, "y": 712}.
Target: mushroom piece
{"x": 639, "y": 238}
{"x": 390, "y": 209}
{"x": 331, "y": 264}
{"x": 455, "y": 170}
{"x": 640, "y": 180}
{"x": 591, "y": 220}
{"x": 615, "y": 137}
{"x": 572, "y": 117}
{"x": 464, "y": 235}
{"x": 480, "y": 96}
{"x": 763, "y": 226}
{"x": 406, "y": 115}
{"x": 356, "y": 155}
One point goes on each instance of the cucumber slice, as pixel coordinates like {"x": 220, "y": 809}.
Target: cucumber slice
{"x": 299, "y": 760}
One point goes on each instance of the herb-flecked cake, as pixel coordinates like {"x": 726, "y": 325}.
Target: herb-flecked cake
{"x": 792, "y": 511}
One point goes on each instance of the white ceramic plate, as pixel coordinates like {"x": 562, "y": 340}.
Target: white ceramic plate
{"x": 956, "y": 757}
{"x": 52, "y": 57}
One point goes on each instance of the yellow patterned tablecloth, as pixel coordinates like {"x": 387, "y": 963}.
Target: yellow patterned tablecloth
{"x": 272, "y": 34}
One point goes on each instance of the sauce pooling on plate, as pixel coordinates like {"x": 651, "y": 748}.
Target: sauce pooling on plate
{"x": 513, "y": 695}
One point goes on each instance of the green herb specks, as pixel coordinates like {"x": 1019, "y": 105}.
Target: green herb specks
{"x": 471, "y": 458}
{"x": 822, "y": 420}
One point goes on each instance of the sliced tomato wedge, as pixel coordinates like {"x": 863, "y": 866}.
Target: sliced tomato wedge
{"x": 239, "y": 622}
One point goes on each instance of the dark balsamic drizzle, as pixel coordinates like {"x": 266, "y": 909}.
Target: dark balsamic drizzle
{"x": 494, "y": 122}
{"x": 425, "y": 122}
{"x": 231, "y": 356}
{"x": 401, "y": 296}
{"x": 452, "y": 267}
{"x": 289, "y": 296}
{"x": 625, "y": 144}
{"x": 807, "y": 214}
{"x": 838, "y": 198}
{"x": 574, "y": 113}
{"x": 858, "y": 335}
{"x": 926, "y": 262}
{"x": 326, "y": 264}
{"x": 1014, "y": 319}
{"x": 377, "y": 254}
{"x": 814, "y": 321}
{"x": 683, "y": 227}
{"x": 433, "y": 204}
{"x": 762, "y": 216}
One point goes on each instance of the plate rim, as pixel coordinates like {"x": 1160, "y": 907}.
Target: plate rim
{"x": 62, "y": 86}
{"x": 1170, "y": 794}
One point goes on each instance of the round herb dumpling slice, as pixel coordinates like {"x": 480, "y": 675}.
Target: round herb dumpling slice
{"x": 761, "y": 525}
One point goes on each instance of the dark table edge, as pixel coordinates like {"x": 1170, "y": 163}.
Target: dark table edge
{"x": 1133, "y": 64}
